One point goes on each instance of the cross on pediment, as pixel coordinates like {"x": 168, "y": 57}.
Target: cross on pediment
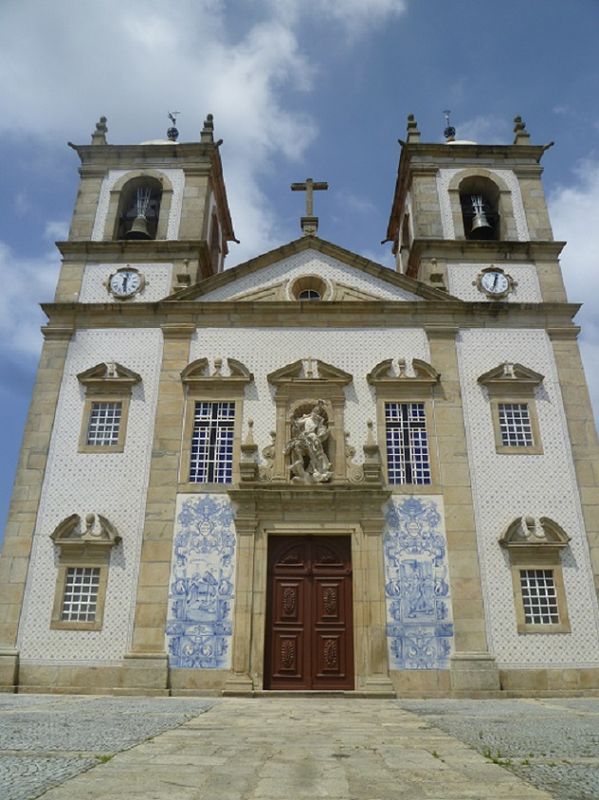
{"x": 309, "y": 223}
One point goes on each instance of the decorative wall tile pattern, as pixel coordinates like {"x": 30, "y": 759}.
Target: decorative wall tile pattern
{"x": 507, "y": 486}
{"x": 175, "y": 176}
{"x": 95, "y": 277}
{"x": 463, "y": 276}
{"x": 201, "y": 593}
{"x": 112, "y": 484}
{"x": 310, "y": 262}
{"x": 355, "y": 351}
{"x": 444, "y": 178}
{"x": 419, "y": 616}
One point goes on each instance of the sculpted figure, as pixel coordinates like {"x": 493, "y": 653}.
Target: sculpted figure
{"x": 308, "y": 432}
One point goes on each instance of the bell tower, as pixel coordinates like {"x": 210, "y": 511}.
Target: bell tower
{"x": 148, "y": 218}
{"x": 462, "y": 210}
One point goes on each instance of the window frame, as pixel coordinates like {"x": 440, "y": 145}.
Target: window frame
{"x": 106, "y": 383}
{"x": 401, "y": 388}
{"x": 81, "y": 546}
{"x": 541, "y": 551}
{"x": 513, "y": 384}
{"x": 203, "y": 386}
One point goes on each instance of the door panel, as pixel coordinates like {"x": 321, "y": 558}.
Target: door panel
{"x": 309, "y": 641}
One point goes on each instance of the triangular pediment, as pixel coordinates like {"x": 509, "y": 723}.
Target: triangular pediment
{"x": 338, "y": 275}
{"x": 510, "y": 374}
{"x": 309, "y": 370}
{"x": 108, "y": 374}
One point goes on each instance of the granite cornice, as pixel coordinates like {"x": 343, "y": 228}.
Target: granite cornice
{"x": 467, "y": 250}
{"x": 374, "y": 314}
{"x": 132, "y": 250}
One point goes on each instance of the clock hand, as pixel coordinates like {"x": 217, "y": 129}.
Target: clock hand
{"x": 496, "y": 278}
{"x": 125, "y": 279}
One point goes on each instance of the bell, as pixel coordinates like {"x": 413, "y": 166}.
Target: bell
{"x": 481, "y": 227}
{"x": 139, "y": 229}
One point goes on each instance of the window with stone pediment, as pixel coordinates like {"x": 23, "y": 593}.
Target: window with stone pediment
{"x": 108, "y": 387}
{"x": 534, "y": 547}
{"x": 213, "y": 418}
{"x": 84, "y": 547}
{"x": 511, "y": 389}
{"x": 404, "y": 412}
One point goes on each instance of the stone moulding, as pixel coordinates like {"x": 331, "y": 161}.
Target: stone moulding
{"x": 509, "y": 376}
{"x": 526, "y": 532}
{"x": 198, "y": 373}
{"x": 383, "y": 375}
{"x": 72, "y": 539}
{"x": 108, "y": 377}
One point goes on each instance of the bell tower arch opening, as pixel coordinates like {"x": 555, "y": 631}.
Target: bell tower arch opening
{"x": 479, "y": 200}
{"x": 139, "y": 209}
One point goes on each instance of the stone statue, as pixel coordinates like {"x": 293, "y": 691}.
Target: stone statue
{"x": 308, "y": 432}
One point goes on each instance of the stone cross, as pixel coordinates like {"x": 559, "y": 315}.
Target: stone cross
{"x": 309, "y": 223}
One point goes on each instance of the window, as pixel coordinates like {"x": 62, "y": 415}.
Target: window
{"x": 539, "y": 597}
{"x": 407, "y": 444}
{"x": 212, "y": 442}
{"x": 308, "y": 294}
{"x": 104, "y": 424}
{"x": 405, "y": 408}
{"x": 515, "y": 425}
{"x": 534, "y": 547}
{"x": 511, "y": 391}
{"x": 80, "y": 599}
{"x": 108, "y": 388}
{"x": 84, "y": 548}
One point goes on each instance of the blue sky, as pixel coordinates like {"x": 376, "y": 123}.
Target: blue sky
{"x": 298, "y": 88}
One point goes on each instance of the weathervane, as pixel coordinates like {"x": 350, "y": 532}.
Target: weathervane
{"x": 172, "y": 133}
{"x": 449, "y": 131}
{"x": 309, "y": 223}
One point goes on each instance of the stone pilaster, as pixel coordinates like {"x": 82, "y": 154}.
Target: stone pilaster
{"x": 26, "y": 495}
{"x": 471, "y": 663}
{"x": 582, "y": 433}
{"x": 147, "y": 664}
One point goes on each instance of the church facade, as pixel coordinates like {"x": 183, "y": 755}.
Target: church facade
{"x": 309, "y": 472}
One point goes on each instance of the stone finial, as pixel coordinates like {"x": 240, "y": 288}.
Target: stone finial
{"x": 522, "y": 135}
{"x": 248, "y": 466}
{"x": 99, "y": 135}
{"x": 207, "y": 134}
{"x": 413, "y": 132}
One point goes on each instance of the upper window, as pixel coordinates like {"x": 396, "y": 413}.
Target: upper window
{"x": 511, "y": 390}
{"x": 407, "y": 443}
{"x": 212, "y": 434}
{"x": 539, "y": 597}
{"x": 479, "y": 198}
{"x": 308, "y": 294}
{"x": 104, "y": 424}
{"x": 139, "y": 209}
{"x": 404, "y": 391}
{"x": 108, "y": 388}
{"x": 212, "y": 442}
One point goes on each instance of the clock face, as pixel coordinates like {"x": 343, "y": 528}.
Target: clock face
{"x": 495, "y": 282}
{"x": 125, "y": 282}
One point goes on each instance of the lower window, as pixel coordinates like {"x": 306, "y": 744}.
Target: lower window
{"x": 539, "y": 597}
{"x": 80, "y": 600}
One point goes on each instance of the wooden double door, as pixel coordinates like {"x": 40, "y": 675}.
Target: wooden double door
{"x": 309, "y": 637}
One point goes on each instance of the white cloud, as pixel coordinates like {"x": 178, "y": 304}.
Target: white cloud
{"x": 25, "y": 284}
{"x": 572, "y": 209}
{"x": 483, "y": 129}
{"x": 56, "y": 230}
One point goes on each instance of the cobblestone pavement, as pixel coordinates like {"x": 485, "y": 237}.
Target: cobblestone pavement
{"x": 293, "y": 748}
{"x": 46, "y": 739}
{"x": 288, "y": 748}
{"x": 553, "y": 743}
